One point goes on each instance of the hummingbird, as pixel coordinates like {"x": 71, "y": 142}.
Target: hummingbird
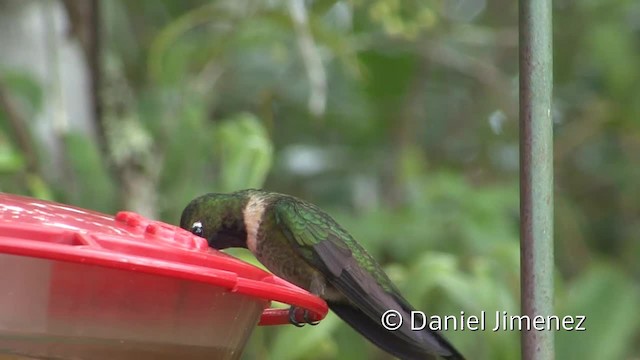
{"x": 302, "y": 244}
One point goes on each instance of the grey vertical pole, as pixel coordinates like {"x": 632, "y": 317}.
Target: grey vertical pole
{"x": 536, "y": 173}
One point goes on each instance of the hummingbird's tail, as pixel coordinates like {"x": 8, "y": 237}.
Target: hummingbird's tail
{"x": 390, "y": 341}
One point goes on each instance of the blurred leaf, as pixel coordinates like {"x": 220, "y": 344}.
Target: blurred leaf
{"x": 613, "y": 54}
{"x": 609, "y": 300}
{"x": 10, "y": 160}
{"x": 188, "y": 147}
{"x": 92, "y": 186}
{"x": 320, "y": 6}
{"x": 24, "y": 86}
{"x": 180, "y": 46}
{"x": 38, "y": 188}
{"x": 247, "y": 153}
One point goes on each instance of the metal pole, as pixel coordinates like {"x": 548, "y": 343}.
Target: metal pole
{"x": 536, "y": 174}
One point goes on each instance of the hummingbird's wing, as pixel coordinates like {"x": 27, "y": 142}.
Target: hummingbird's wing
{"x": 326, "y": 246}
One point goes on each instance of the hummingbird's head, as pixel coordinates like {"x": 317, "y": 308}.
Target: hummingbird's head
{"x": 217, "y": 218}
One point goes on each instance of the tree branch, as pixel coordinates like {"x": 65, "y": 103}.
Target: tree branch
{"x": 311, "y": 58}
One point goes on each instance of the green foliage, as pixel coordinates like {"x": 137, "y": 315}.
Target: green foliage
{"x": 92, "y": 183}
{"x": 246, "y": 153}
{"x": 609, "y": 299}
{"x": 24, "y": 87}
{"x": 26, "y": 96}
{"x": 10, "y": 160}
{"x": 405, "y": 19}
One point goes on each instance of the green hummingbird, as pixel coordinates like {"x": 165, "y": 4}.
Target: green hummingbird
{"x": 302, "y": 244}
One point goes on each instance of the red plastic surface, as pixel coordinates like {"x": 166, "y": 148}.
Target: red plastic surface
{"x": 130, "y": 242}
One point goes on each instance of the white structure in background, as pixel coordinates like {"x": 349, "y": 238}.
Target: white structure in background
{"x": 34, "y": 40}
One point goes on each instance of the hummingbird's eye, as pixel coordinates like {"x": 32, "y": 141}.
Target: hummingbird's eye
{"x": 197, "y": 228}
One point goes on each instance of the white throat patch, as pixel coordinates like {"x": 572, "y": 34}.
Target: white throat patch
{"x": 253, "y": 213}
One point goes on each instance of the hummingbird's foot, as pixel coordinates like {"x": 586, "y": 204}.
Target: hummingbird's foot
{"x": 306, "y": 319}
{"x": 305, "y": 316}
{"x": 292, "y": 317}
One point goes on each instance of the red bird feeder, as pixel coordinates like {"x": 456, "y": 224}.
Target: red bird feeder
{"x": 77, "y": 284}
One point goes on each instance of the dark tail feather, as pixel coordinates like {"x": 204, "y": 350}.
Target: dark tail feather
{"x": 387, "y": 340}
